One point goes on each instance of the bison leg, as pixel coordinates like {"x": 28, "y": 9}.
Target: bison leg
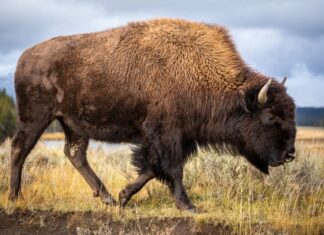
{"x": 175, "y": 176}
{"x": 75, "y": 149}
{"x": 22, "y": 143}
{"x": 132, "y": 188}
{"x": 171, "y": 155}
{"x": 178, "y": 191}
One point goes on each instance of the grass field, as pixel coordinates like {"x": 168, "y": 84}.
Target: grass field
{"x": 232, "y": 195}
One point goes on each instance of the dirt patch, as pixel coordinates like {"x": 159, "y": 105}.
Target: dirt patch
{"x": 48, "y": 222}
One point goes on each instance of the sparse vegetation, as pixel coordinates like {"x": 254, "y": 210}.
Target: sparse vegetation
{"x": 227, "y": 189}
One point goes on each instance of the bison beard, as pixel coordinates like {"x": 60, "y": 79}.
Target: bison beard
{"x": 258, "y": 163}
{"x": 163, "y": 85}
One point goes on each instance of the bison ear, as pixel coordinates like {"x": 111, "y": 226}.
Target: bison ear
{"x": 249, "y": 100}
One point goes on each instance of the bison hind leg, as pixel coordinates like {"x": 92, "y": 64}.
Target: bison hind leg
{"x": 140, "y": 159}
{"x": 23, "y": 142}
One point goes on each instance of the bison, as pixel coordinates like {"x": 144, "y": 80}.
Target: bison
{"x": 164, "y": 85}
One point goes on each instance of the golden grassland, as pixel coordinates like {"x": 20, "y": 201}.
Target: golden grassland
{"x": 53, "y": 136}
{"x": 226, "y": 189}
{"x": 314, "y": 133}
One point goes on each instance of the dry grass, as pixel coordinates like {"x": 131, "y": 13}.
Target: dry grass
{"x": 310, "y": 133}
{"x": 53, "y": 136}
{"x": 226, "y": 188}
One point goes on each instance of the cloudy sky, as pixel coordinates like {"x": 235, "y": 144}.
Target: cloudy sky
{"x": 278, "y": 37}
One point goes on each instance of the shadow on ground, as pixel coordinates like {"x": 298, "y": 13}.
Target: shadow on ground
{"x": 48, "y": 222}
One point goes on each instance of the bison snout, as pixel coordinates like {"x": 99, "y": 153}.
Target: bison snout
{"x": 284, "y": 158}
{"x": 290, "y": 157}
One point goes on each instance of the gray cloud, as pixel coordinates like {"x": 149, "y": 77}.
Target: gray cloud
{"x": 23, "y": 23}
{"x": 300, "y": 17}
{"x": 279, "y": 38}
{"x": 276, "y": 51}
{"x": 306, "y": 87}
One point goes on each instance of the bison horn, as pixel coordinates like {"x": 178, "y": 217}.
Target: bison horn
{"x": 284, "y": 81}
{"x": 262, "y": 97}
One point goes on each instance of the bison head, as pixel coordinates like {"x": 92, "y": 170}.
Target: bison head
{"x": 268, "y": 128}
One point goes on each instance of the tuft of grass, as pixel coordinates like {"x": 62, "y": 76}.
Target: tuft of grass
{"x": 227, "y": 189}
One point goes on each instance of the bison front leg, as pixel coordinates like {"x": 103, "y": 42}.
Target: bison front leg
{"x": 75, "y": 149}
{"x": 133, "y": 187}
{"x": 170, "y": 158}
{"x": 177, "y": 189}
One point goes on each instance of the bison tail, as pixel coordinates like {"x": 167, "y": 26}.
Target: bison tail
{"x": 140, "y": 159}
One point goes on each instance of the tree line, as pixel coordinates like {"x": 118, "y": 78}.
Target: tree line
{"x": 8, "y": 116}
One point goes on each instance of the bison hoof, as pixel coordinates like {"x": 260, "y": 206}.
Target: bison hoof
{"x": 122, "y": 202}
{"x": 193, "y": 210}
{"x": 14, "y": 196}
{"x": 187, "y": 207}
{"x": 109, "y": 200}
{"x": 123, "y": 198}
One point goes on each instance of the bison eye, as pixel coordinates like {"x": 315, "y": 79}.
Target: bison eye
{"x": 267, "y": 117}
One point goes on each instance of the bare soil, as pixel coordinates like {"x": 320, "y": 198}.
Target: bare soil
{"x": 48, "y": 222}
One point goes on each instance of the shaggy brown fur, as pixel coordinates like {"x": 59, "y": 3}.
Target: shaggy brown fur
{"x": 165, "y": 85}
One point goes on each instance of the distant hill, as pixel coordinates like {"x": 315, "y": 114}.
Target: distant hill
{"x": 310, "y": 116}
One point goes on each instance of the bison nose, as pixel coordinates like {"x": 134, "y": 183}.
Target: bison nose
{"x": 290, "y": 156}
{"x": 292, "y": 150}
